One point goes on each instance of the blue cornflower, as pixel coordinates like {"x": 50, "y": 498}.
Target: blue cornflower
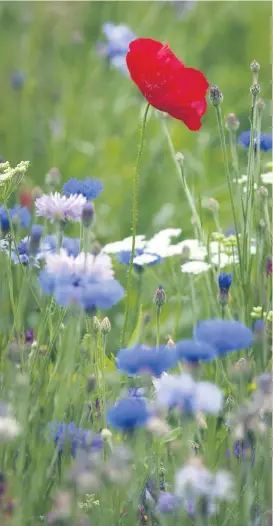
{"x": 265, "y": 140}
{"x": 117, "y": 45}
{"x": 141, "y": 258}
{"x": 167, "y": 502}
{"x": 224, "y": 281}
{"x": 70, "y": 244}
{"x": 193, "y": 351}
{"x": 76, "y": 438}
{"x": 18, "y": 80}
{"x": 137, "y": 392}
{"x": 224, "y": 335}
{"x": 18, "y": 215}
{"x": 89, "y": 188}
{"x": 128, "y": 413}
{"x": 140, "y": 359}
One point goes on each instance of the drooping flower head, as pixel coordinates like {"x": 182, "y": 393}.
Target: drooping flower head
{"x": 57, "y": 207}
{"x": 224, "y": 335}
{"x": 89, "y": 188}
{"x": 166, "y": 83}
{"x": 142, "y": 359}
{"x": 265, "y": 140}
{"x": 128, "y": 413}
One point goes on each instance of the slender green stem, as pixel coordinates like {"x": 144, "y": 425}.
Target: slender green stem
{"x": 158, "y": 312}
{"x": 134, "y": 225}
{"x": 224, "y": 150}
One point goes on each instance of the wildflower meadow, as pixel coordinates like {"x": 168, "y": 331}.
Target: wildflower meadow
{"x": 136, "y": 264}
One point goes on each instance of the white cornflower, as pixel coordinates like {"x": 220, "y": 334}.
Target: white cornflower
{"x": 100, "y": 266}
{"x": 9, "y": 428}
{"x": 241, "y": 180}
{"x": 195, "y": 267}
{"x": 208, "y": 398}
{"x": 192, "y": 480}
{"x": 59, "y": 207}
{"x": 267, "y": 178}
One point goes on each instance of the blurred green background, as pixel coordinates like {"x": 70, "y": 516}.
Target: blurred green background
{"x": 77, "y": 113}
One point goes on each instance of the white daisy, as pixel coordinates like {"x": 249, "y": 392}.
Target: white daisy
{"x": 195, "y": 267}
{"x": 267, "y": 178}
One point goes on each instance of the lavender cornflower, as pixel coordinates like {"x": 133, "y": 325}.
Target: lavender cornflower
{"x": 57, "y": 207}
{"x": 76, "y": 438}
{"x": 224, "y": 335}
{"x": 128, "y": 413}
{"x": 89, "y": 188}
{"x": 265, "y": 140}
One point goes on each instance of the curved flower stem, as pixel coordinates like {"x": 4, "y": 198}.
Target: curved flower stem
{"x": 134, "y": 224}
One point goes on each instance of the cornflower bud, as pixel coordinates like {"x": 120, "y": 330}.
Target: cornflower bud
{"x": 255, "y": 66}
{"x": 160, "y": 296}
{"x": 90, "y": 383}
{"x": 105, "y": 326}
{"x": 96, "y": 324}
{"x": 53, "y": 178}
{"x": 88, "y": 214}
{"x": 216, "y": 96}
{"x": 255, "y": 90}
{"x": 262, "y": 191}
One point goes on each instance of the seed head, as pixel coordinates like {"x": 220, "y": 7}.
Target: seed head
{"x": 216, "y": 96}
{"x": 179, "y": 157}
{"x": 232, "y": 122}
{"x": 255, "y": 66}
{"x": 262, "y": 191}
{"x": 260, "y": 104}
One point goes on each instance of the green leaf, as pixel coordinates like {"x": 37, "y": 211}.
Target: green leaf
{"x": 173, "y": 435}
{"x": 137, "y": 332}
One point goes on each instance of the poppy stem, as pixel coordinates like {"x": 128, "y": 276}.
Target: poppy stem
{"x": 134, "y": 224}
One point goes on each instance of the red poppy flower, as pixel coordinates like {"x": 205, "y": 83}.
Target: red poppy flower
{"x": 166, "y": 83}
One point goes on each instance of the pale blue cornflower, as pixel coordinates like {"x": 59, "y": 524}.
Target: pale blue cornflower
{"x": 57, "y": 207}
{"x": 191, "y": 397}
{"x": 118, "y": 38}
{"x": 85, "y": 280}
